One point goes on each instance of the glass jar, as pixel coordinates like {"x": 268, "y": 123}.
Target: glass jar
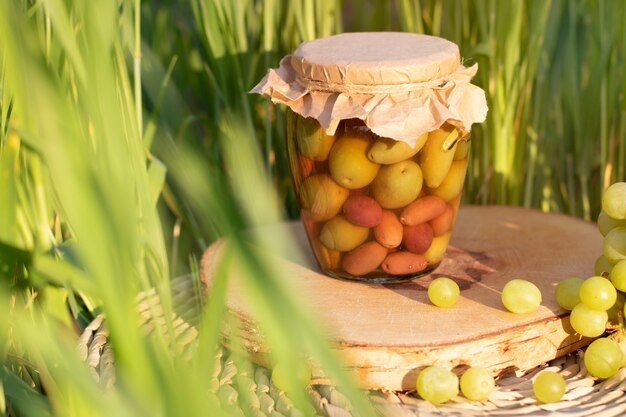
{"x": 375, "y": 209}
{"x": 378, "y": 143}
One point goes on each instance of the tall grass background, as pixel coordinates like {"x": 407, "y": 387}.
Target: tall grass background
{"x": 129, "y": 143}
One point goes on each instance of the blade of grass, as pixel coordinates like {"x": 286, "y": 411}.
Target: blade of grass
{"x": 9, "y": 156}
{"x": 22, "y": 397}
{"x": 96, "y": 184}
{"x": 156, "y": 178}
{"x": 137, "y": 65}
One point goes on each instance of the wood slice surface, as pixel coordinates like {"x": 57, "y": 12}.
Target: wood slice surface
{"x": 385, "y": 333}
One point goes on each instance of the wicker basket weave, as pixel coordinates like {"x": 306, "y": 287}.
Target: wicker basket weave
{"x": 513, "y": 395}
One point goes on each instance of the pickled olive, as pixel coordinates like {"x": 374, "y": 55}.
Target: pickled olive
{"x": 362, "y": 210}
{"x": 348, "y": 162}
{"x": 313, "y": 142}
{"x": 389, "y": 151}
{"x": 456, "y": 203}
{"x": 462, "y": 150}
{"x": 422, "y": 210}
{"x": 434, "y": 159}
{"x": 306, "y": 166}
{"x": 418, "y": 238}
{"x": 398, "y": 184}
{"x": 389, "y": 231}
{"x": 443, "y": 223}
{"x": 437, "y": 248}
{"x": 452, "y": 185}
{"x": 322, "y": 197}
{"x": 339, "y": 234}
{"x": 327, "y": 258}
{"x": 364, "y": 259}
{"x": 404, "y": 263}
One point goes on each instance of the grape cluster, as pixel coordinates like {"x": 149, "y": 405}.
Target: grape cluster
{"x": 597, "y": 303}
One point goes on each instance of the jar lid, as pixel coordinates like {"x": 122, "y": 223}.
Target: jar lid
{"x": 400, "y": 84}
{"x": 374, "y": 61}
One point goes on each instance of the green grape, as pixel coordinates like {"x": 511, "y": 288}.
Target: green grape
{"x": 618, "y": 275}
{"x": 603, "y": 358}
{"x": 619, "y": 305}
{"x": 549, "y": 387}
{"x": 437, "y": 385}
{"x": 602, "y": 265}
{"x": 588, "y": 322}
{"x": 566, "y": 292}
{"x": 477, "y": 383}
{"x": 614, "y": 201}
{"x": 598, "y": 293}
{"x": 280, "y": 376}
{"x": 520, "y": 296}
{"x": 606, "y": 223}
{"x": 614, "y": 245}
{"x": 443, "y": 292}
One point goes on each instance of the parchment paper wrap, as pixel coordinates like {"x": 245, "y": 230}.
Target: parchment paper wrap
{"x": 401, "y": 85}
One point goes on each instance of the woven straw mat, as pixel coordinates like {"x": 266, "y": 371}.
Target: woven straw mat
{"x": 513, "y": 395}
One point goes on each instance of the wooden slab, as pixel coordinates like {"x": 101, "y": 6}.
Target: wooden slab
{"x": 386, "y": 332}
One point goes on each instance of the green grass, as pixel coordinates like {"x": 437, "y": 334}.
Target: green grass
{"x": 129, "y": 143}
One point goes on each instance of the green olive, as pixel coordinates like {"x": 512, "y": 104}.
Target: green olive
{"x": 398, "y": 184}
{"x": 389, "y": 151}
{"x": 322, "y": 197}
{"x": 348, "y": 162}
{"x": 341, "y": 235}
{"x": 435, "y": 157}
{"x": 313, "y": 142}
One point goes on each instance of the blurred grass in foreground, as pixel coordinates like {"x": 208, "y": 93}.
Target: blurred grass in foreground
{"x": 76, "y": 113}
{"x": 128, "y": 143}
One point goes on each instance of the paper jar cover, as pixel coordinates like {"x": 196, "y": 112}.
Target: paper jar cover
{"x": 400, "y": 84}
